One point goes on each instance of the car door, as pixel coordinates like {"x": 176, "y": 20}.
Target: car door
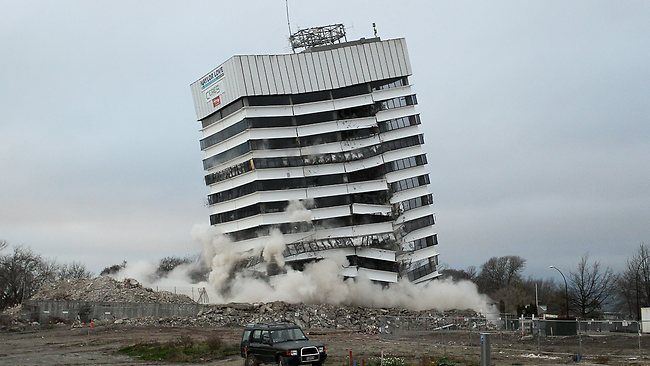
{"x": 245, "y": 342}
{"x": 268, "y": 351}
{"x": 255, "y": 344}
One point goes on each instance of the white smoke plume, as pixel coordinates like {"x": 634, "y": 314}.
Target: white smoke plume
{"x": 273, "y": 247}
{"x": 297, "y": 212}
{"x": 319, "y": 282}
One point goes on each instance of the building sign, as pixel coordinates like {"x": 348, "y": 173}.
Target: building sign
{"x": 211, "y": 78}
{"x": 212, "y": 86}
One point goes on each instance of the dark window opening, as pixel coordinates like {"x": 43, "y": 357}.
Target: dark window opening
{"x": 397, "y": 102}
{"x": 372, "y": 263}
{"x": 350, "y": 91}
{"x": 413, "y": 203}
{"x": 421, "y": 271}
{"x": 409, "y": 183}
{"x": 389, "y": 83}
{"x": 310, "y": 97}
{"x": 396, "y": 123}
{"x": 277, "y": 143}
{"x": 418, "y": 223}
{"x": 225, "y": 134}
{"x": 229, "y": 154}
{"x": 229, "y": 172}
{"x": 232, "y": 107}
{"x": 263, "y": 100}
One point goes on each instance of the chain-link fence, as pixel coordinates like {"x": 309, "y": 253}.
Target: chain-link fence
{"x": 540, "y": 338}
{"x": 198, "y": 294}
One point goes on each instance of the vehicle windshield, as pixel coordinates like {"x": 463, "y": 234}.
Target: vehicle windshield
{"x": 285, "y": 335}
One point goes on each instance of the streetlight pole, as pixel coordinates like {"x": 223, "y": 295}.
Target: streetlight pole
{"x": 566, "y": 290}
{"x": 636, "y": 279}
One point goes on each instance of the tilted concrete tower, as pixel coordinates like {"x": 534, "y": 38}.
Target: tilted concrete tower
{"x": 324, "y": 145}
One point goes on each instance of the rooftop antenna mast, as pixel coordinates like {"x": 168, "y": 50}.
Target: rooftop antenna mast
{"x": 286, "y": 3}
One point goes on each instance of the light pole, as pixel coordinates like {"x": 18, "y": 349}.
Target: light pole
{"x": 636, "y": 279}
{"x": 566, "y": 290}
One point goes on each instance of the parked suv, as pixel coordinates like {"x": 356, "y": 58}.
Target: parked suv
{"x": 283, "y": 344}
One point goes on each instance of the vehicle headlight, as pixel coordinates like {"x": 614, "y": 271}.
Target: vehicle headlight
{"x": 294, "y": 352}
{"x": 321, "y": 349}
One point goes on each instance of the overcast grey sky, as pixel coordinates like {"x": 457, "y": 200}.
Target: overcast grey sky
{"x": 536, "y": 118}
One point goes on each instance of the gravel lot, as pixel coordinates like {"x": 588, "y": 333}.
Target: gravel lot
{"x": 61, "y": 345}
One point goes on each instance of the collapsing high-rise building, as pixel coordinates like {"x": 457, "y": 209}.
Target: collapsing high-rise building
{"x": 324, "y": 145}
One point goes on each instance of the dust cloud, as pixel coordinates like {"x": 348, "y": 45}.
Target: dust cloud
{"x": 318, "y": 282}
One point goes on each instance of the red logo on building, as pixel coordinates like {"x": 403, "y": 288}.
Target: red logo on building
{"x": 216, "y": 101}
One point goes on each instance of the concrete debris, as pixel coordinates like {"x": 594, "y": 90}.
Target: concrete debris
{"x": 107, "y": 289}
{"x": 312, "y": 316}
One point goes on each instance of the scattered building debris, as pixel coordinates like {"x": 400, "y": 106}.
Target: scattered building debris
{"x": 314, "y": 316}
{"x": 107, "y": 289}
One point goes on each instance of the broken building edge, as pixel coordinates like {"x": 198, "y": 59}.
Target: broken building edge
{"x": 335, "y": 127}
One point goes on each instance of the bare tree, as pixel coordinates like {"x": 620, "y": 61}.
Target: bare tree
{"x": 111, "y": 270}
{"x": 3, "y": 244}
{"x": 22, "y": 273}
{"x": 591, "y": 286}
{"x": 73, "y": 271}
{"x": 500, "y": 272}
{"x": 633, "y": 286}
{"x": 168, "y": 264}
{"x": 468, "y": 274}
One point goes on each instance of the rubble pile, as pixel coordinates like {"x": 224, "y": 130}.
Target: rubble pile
{"x": 11, "y": 316}
{"x": 315, "y": 316}
{"x": 107, "y": 289}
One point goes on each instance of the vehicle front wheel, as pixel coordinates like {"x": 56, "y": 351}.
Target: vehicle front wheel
{"x": 250, "y": 361}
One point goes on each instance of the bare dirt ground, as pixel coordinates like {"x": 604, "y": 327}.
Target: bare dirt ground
{"x": 61, "y": 345}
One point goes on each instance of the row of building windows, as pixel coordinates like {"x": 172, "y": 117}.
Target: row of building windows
{"x": 347, "y": 113}
{"x": 416, "y": 224}
{"x": 310, "y": 97}
{"x": 249, "y": 165}
{"x": 287, "y": 121}
{"x": 422, "y": 243}
{"x": 223, "y": 112}
{"x": 322, "y": 180}
{"x": 427, "y": 268}
{"x": 352, "y": 155}
{"x": 265, "y": 100}
{"x": 413, "y": 203}
{"x": 301, "y": 227}
{"x": 389, "y": 83}
{"x": 294, "y": 183}
{"x": 377, "y": 198}
{"x": 397, "y": 102}
{"x": 229, "y": 172}
{"x": 372, "y": 263}
{"x": 409, "y": 183}
{"x": 229, "y": 154}
{"x": 397, "y": 123}
{"x": 406, "y": 163}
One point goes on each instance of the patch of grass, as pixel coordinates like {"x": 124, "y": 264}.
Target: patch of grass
{"x": 184, "y": 349}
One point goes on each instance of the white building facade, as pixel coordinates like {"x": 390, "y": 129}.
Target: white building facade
{"x": 324, "y": 145}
